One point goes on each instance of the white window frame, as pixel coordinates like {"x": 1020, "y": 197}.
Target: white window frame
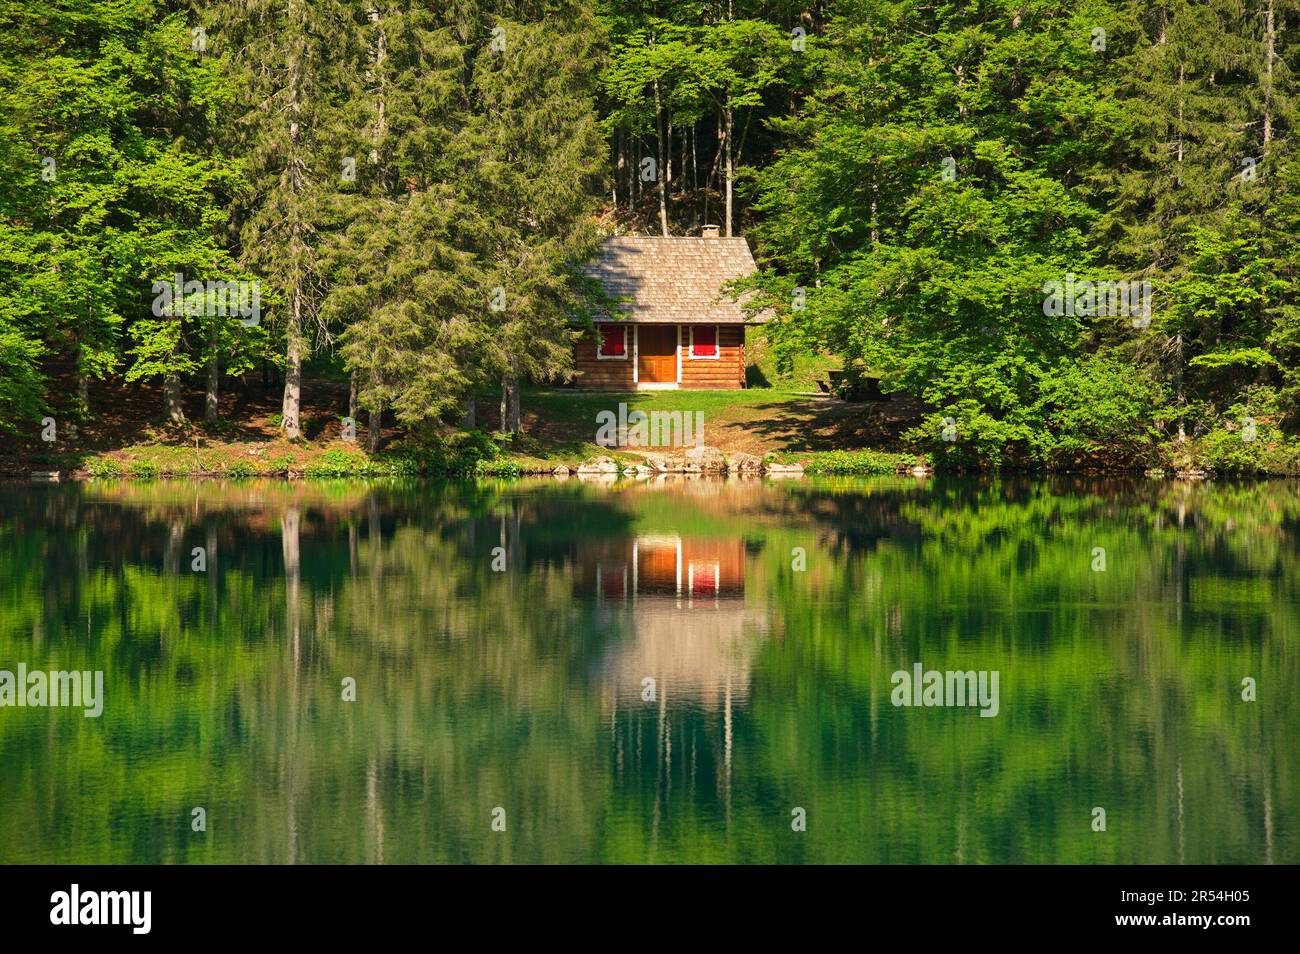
{"x": 717, "y": 345}
{"x": 600, "y": 342}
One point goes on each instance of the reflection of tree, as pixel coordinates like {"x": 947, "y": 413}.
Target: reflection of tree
{"x": 478, "y": 689}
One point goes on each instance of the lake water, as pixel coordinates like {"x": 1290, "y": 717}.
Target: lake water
{"x": 677, "y": 672}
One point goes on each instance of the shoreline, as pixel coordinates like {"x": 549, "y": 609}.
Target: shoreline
{"x": 12, "y": 476}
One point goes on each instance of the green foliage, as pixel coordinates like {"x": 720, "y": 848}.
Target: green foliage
{"x": 111, "y": 181}
{"x": 503, "y": 467}
{"x": 343, "y": 463}
{"x": 104, "y": 468}
{"x": 1101, "y": 405}
{"x": 950, "y": 162}
{"x": 913, "y": 178}
{"x": 456, "y": 267}
{"x": 143, "y": 470}
{"x": 863, "y": 463}
{"x": 462, "y": 454}
{"x": 1247, "y": 439}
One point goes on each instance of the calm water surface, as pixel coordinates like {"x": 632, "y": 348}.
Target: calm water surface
{"x": 501, "y": 638}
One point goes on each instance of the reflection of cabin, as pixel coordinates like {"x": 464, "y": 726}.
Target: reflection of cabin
{"x": 688, "y": 569}
{"x": 689, "y": 625}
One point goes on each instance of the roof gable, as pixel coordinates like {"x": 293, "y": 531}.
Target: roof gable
{"x": 677, "y": 279}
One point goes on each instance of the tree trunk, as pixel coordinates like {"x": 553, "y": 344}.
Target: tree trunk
{"x": 375, "y": 430}
{"x": 668, "y": 152}
{"x": 695, "y": 162}
{"x": 290, "y": 405}
{"x": 1182, "y": 69}
{"x": 621, "y": 172}
{"x": 1268, "y": 73}
{"x": 469, "y": 420}
{"x": 730, "y": 170}
{"x": 510, "y": 414}
{"x": 663, "y": 162}
{"x": 172, "y": 398}
{"x": 211, "y": 399}
{"x": 381, "y": 99}
{"x": 1180, "y": 395}
{"x": 83, "y": 391}
{"x": 352, "y": 397}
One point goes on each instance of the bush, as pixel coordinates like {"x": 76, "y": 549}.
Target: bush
{"x": 978, "y": 439}
{"x": 241, "y": 470}
{"x": 1247, "y": 439}
{"x": 464, "y": 454}
{"x": 342, "y": 463}
{"x": 502, "y": 467}
{"x": 400, "y": 463}
{"x": 1098, "y": 404}
{"x": 104, "y": 468}
{"x": 861, "y": 463}
{"x": 143, "y": 470}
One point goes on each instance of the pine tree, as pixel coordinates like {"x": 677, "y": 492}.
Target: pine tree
{"x": 297, "y": 65}
{"x": 535, "y": 182}
{"x": 1197, "y": 170}
{"x": 460, "y": 263}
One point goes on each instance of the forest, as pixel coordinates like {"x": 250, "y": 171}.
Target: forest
{"x": 1066, "y": 229}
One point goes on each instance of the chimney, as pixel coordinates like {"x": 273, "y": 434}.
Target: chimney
{"x": 710, "y": 231}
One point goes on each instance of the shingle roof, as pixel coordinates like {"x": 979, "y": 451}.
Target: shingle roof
{"x": 677, "y": 279}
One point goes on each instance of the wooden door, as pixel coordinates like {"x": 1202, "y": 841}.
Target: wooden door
{"x": 656, "y": 354}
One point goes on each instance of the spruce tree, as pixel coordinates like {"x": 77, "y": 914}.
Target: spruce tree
{"x": 297, "y": 65}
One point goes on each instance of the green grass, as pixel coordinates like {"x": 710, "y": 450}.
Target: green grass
{"x": 565, "y": 424}
{"x": 578, "y": 409}
{"x": 556, "y": 399}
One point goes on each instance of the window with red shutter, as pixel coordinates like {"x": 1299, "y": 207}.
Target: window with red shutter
{"x": 704, "y": 341}
{"x": 613, "y": 341}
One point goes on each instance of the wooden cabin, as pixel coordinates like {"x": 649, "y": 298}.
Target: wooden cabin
{"x": 676, "y": 327}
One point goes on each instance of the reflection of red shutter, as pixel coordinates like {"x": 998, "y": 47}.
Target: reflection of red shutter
{"x": 704, "y": 579}
{"x": 705, "y": 341}
{"x": 612, "y": 340}
{"x": 612, "y": 581}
